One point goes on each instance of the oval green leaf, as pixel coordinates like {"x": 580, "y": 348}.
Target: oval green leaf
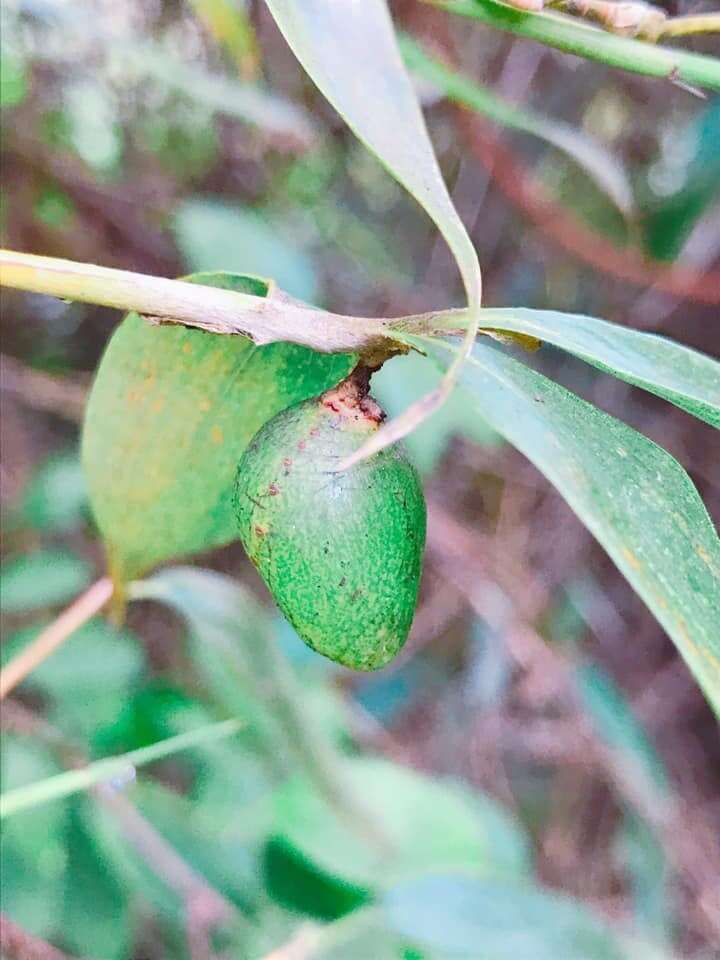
{"x": 169, "y": 414}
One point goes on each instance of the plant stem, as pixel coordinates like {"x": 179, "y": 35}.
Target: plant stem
{"x": 101, "y": 771}
{"x": 78, "y": 613}
{"x": 692, "y": 24}
{"x": 262, "y": 319}
{"x": 592, "y": 43}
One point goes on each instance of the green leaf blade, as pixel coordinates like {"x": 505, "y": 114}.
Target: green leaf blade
{"x": 685, "y": 377}
{"x": 631, "y": 494}
{"x": 350, "y": 52}
{"x": 169, "y": 415}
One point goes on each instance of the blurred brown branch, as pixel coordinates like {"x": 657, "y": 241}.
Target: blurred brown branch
{"x": 42, "y": 391}
{"x": 17, "y": 944}
{"x": 529, "y": 195}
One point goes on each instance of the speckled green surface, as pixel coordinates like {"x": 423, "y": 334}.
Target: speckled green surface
{"x": 340, "y": 552}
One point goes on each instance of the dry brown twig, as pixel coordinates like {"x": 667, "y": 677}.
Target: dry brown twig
{"x": 18, "y": 944}
{"x": 47, "y": 642}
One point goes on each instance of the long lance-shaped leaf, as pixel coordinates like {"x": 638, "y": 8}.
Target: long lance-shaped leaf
{"x": 631, "y": 494}
{"x": 350, "y": 51}
{"x": 590, "y": 42}
{"x": 73, "y": 781}
{"x": 595, "y": 159}
{"x": 685, "y": 377}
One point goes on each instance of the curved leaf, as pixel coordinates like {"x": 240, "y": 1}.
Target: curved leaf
{"x": 631, "y": 494}
{"x": 595, "y": 159}
{"x": 689, "y": 379}
{"x": 169, "y": 414}
{"x": 455, "y": 913}
{"x": 350, "y": 51}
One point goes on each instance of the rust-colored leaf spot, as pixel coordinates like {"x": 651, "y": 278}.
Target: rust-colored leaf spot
{"x": 261, "y": 531}
{"x": 216, "y": 434}
{"x": 631, "y": 558}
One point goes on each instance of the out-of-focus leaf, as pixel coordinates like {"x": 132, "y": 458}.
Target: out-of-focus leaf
{"x": 229, "y": 630}
{"x": 465, "y": 916}
{"x": 214, "y": 235}
{"x": 631, "y": 494}
{"x": 642, "y": 854}
{"x": 169, "y": 415}
{"x": 54, "y": 208}
{"x": 231, "y": 25}
{"x": 32, "y": 847}
{"x": 89, "y": 677}
{"x": 350, "y": 51}
{"x": 609, "y": 712}
{"x": 13, "y": 78}
{"x": 94, "y": 129}
{"x": 685, "y": 182}
{"x": 248, "y": 102}
{"x": 210, "y": 844}
{"x": 641, "y": 850}
{"x": 595, "y": 159}
{"x": 41, "y": 579}
{"x": 298, "y": 884}
{"x": 685, "y": 377}
{"x": 56, "y": 498}
{"x": 408, "y": 379}
{"x": 95, "y": 919}
{"x": 426, "y": 824}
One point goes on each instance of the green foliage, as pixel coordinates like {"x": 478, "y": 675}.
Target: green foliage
{"x": 56, "y": 498}
{"x": 45, "y": 578}
{"x": 422, "y": 825}
{"x": 684, "y": 183}
{"x": 459, "y": 913}
{"x": 169, "y": 415}
{"x": 220, "y": 236}
{"x": 685, "y": 377}
{"x": 634, "y": 497}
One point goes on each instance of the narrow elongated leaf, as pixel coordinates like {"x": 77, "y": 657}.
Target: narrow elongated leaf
{"x": 170, "y": 412}
{"x": 689, "y": 379}
{"x": 631, "y": 494}
{"x": 349, "y": 50}
{"x": 597, "y": 161}
{"x": 73, "y": 781}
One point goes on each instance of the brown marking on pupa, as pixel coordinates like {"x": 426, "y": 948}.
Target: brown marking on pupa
{"x": 351, "y": 398}
{"x": 261, "y": 531}
{"x": 273, "y": 489}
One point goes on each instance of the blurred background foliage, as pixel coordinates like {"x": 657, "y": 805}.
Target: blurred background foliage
{"x": 537, "y": 775}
